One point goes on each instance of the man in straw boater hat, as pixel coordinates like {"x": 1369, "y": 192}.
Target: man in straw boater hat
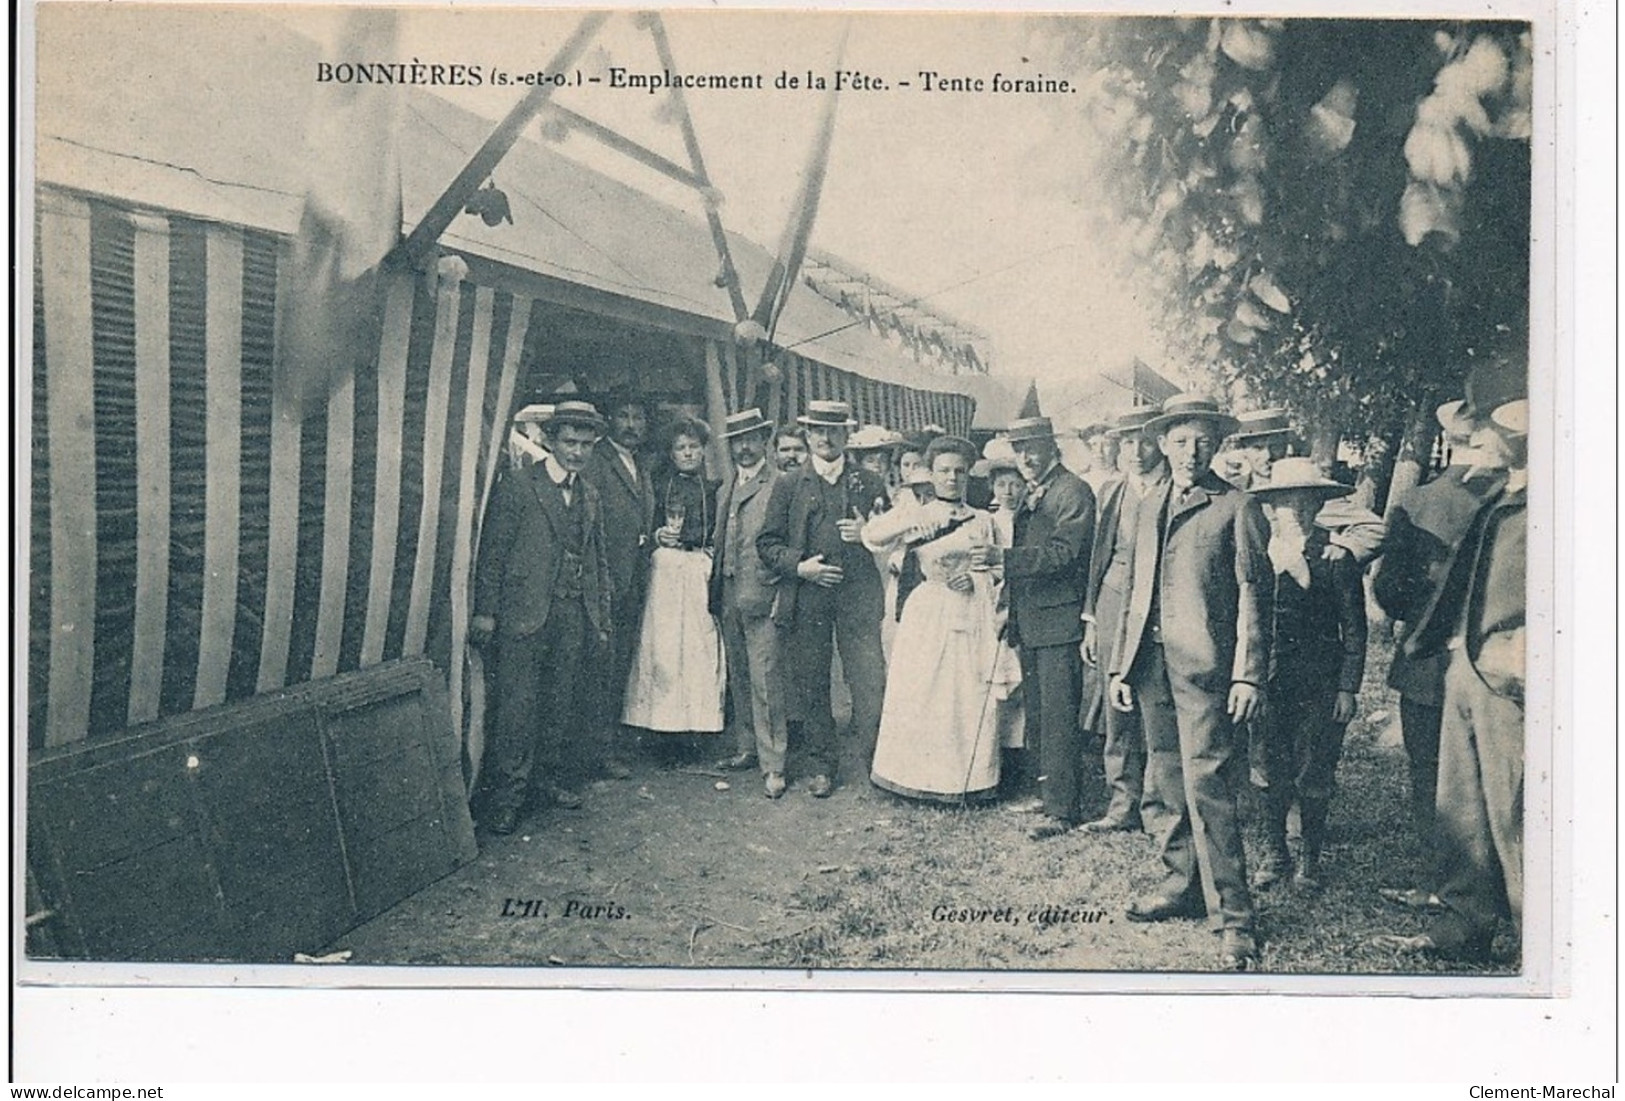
{"x": 1109, "y": 567}
{"x": 1426, "y": 527}
{"x": 829, "y": 589}
{"x": 1317, "y": 660}
{"x": 542, "y": 602}
{"x": 622, "y": 478}
{"x": 1479, "y": 612}
{"x": 1044, "y": 573}
{"x": 742, "y": 592}
{"x": 1192, "y": 656}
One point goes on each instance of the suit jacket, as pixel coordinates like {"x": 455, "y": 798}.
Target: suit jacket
{"x": 787, "y": 530}
{"x": 741, "y": 508}
{"x": 1208, "y": 559}
{"x": 1426, "y": 532}
{"x": 629, "y": 522}
{"x": 1046, "y": 570}
{"x": 520, "y": 553}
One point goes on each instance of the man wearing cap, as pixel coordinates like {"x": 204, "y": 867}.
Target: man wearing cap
{"x": 742, "y": 592}
{"x": 1477, "y": 616}
{"x": 621, "y": 477}
{"x": 829, "y": 589}
{"x": 1045, "y": 573}
{"x": 1192, "y": 655}
{"x": 1426, "y": 528}
{"x": 1109, "y": 566}
{"x": 542, "y": 601}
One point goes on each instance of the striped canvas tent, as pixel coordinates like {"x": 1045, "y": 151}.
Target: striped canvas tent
{"x": 189, "y": 545}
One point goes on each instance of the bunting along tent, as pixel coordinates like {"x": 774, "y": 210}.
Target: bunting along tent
{"x": 189, "y": 546}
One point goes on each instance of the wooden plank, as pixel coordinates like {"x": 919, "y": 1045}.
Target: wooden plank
{"x": 512, "y": 354}
{"x": 223, "y": 395}
{"x": 286, "y": 432}
{"x": 335, "y": 528}
{"x": 462, "y": 551}
{"x": 438, "y": 403}
{"x": 716, "y": 406}
{"x": 70, "y": 424}
{"x": 730, "y": 389}
{"x": 386, "y": 511}
{"x": 152, "y": 465}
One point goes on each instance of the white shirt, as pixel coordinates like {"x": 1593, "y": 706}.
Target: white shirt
{"x": 560, "y": 477}
{"x": 829, "y": 471}
{"x": 744, "y": 474}
{"x": 628, "y": 459}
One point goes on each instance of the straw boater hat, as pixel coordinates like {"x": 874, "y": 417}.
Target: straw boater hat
{"x": 581, "y": 414}
{"x": 1130, "y": 423}
{"x": 1030, "y": 428}
{"x": 1512, "y": 417}
{"x": 1292, "y": 475}
{"x": 744, "y": 422}
{"x": 873, "y": 437}
{"x": 1261, "y": 424}
{"x": 1188, "y": 407}
{"x": 827, "y": 414}
{"x": 535, "y": 413}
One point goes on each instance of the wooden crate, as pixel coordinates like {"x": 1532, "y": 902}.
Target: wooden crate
{"x": 250, "y": 831}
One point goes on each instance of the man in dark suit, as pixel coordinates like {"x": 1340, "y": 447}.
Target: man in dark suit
{"x": 1045, "y": 573}
{"x": 1426, "y": 529}
{"x": 1192, "y": 654}
{"x": 1477, "y": 616}
{"x": 542, "y": 600}
{"x": 829, "y": 589}
{"x": 621, "y": 476}
{"x": 742, "y": 592}
{"x": 1110, "y": 561}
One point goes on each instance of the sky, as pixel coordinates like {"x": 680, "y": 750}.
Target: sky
{"x": 969, "y": 199}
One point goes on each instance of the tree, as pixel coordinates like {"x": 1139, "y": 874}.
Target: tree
{"x": 1335, "y": 213}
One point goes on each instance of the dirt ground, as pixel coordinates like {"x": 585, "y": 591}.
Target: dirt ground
{"x": 668, "y": 870}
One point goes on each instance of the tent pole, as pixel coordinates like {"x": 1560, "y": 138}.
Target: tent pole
{"x": 455, "y": 198}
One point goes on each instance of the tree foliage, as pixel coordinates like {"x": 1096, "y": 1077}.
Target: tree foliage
{"x": 1335, "y": 213}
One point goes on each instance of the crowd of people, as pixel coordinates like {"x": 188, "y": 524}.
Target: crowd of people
{"x": 1198, "y": 600}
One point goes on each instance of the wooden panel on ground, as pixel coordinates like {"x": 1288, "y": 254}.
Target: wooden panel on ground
{"x": 253, "y": 830}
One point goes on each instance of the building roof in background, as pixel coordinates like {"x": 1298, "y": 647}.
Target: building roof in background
{"x": 200, "y": 110}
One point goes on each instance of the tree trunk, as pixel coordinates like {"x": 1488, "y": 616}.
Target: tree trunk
{"x": 1323, "y": 447}
{"x": 1415, "y": 455}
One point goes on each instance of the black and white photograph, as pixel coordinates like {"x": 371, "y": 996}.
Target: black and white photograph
{"x": 635, "y": 497}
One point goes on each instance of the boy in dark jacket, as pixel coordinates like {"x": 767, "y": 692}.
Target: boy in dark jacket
{"x": 1316, "y": 664}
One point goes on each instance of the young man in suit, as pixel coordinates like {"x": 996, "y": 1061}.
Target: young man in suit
{"x": 542, "y": 601}
{"x": 1109, "y": 565}
{"x": 621, "y": 476}
{"x": 742, "y": 592}
{"x": 1045, "y": 573}
{"x": 1192, "y": 655}
{"x": 829, "y": 589}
